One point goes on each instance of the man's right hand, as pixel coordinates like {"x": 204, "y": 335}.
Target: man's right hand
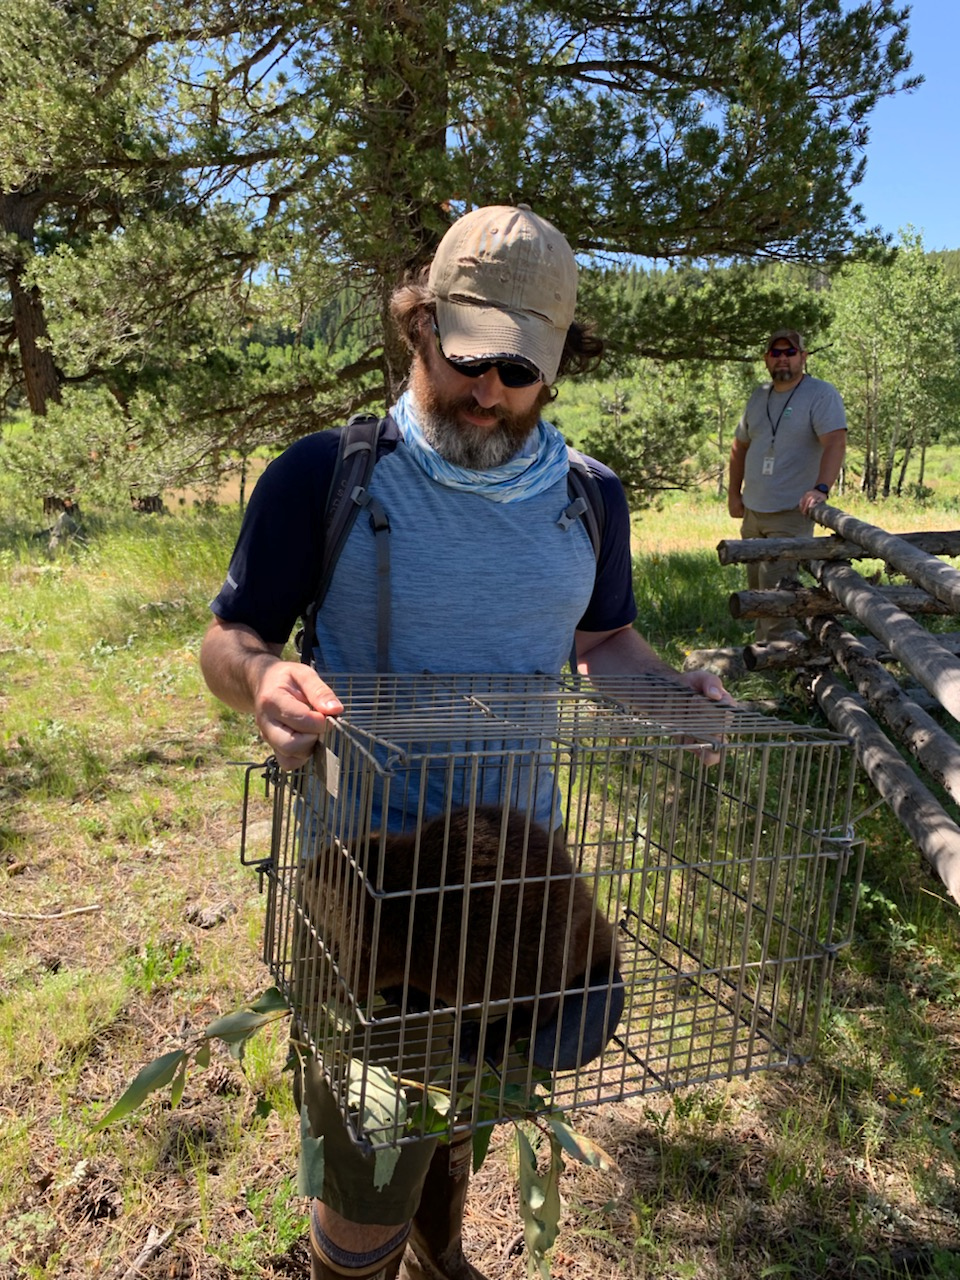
{"x": 291, "y": 707}
{"x": 288, "y": 699}
{"x": 735, "y": 505}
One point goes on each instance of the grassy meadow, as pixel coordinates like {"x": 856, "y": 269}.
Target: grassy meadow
{"x": 127, "y": 922}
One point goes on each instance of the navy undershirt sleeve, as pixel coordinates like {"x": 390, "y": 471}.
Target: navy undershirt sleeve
{"x": 276, "y": 562}
{"x": 612, "y": 604}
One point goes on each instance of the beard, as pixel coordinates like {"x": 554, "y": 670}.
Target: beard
{"x": 781, "y": 375}
{"x": 465, "y": 444}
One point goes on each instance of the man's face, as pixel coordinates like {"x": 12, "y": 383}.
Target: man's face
{"x": 476, "y": 423}
{"x": 785, "y": 362}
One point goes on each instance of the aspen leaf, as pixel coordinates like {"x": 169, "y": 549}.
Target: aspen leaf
{"x": 155, "y": 1075}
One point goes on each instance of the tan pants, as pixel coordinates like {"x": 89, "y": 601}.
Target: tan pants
{"x": 765, "y": 574}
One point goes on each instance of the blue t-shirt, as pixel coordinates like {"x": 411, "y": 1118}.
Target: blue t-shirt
{"x": 475, "y": 584}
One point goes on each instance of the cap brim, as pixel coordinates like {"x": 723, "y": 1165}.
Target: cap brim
{"x": 789, "y": 335}
{"x": 471, "y": 332}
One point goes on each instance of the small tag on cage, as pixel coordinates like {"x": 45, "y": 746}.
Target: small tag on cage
{"x": 331, "y": 772}
{"x": 326, "y": 768}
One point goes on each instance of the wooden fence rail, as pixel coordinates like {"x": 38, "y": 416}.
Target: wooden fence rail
{"x": 800, "y": 602}
{"x": 830, "y": 655}
{"x": 745, "y": 550}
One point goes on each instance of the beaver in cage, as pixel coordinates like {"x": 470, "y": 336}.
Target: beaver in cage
{"x": 528, "y": 904}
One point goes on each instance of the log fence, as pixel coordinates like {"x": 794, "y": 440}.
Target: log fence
{"x": 913, "y": 760}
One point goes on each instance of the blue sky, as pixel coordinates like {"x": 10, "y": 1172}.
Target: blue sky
{"x": 912, "y": 172}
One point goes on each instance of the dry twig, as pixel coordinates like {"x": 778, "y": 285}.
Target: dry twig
{"x": 56, "y": 915}
{"x": 155, "y": 1242}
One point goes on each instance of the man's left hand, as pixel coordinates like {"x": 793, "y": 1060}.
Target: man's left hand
{"x": 708, "y": 685}
{"x": 812, "y": 498}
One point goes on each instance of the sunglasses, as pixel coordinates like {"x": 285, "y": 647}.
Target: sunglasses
{"x": 512, "y": 373}
{"x": 783, "y": 351}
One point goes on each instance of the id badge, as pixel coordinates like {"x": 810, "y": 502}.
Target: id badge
{"x": 768, "y": 464}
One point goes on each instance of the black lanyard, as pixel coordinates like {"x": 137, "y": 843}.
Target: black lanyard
{"x": 775, "y": 425}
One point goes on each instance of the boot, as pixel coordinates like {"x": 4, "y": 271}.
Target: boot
{"x": 435, "y": 1236}
{"x": 320, "y": 1271}
{"x": 323, "y": 1267}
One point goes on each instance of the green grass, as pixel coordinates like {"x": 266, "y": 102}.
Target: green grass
{"x": 116, "y": 795}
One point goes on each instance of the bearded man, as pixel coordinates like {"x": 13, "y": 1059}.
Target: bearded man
{"x": 488, "y": 573}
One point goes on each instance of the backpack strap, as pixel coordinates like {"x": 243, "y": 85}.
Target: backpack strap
{"x": 347, "y": 495}
{"x": 586, "y": 504}
{"x": 586, "y": 500}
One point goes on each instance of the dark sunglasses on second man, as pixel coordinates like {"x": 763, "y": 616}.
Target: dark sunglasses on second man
{"x": 512, "y": 373}
{"x": 784, "y": 351}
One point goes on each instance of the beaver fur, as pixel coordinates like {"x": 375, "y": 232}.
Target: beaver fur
{"x": 523, "y": 922}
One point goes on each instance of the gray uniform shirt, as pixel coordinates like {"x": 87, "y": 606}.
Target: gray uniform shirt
{"x": 786, "y": 426}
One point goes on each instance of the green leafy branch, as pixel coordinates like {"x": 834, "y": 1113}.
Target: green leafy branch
{"x": 540, "y": 1190}
{"x": 234, "y": 1029}
{"x": 378, "y": 1107}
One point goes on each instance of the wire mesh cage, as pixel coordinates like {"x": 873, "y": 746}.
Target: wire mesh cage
{"x": 485, "y": 889}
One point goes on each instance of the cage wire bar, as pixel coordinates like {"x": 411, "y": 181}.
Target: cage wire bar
{"x": 715, "y": 844}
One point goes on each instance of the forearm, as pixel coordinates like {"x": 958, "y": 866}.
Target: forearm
{"x": 605, "y": 656}
{"x": 626, "y": 653}
{"x": 735, "y": 480}
{"x": 288, "y": 699}
{"x": 831, "y": 458}
{"x": 834, "y": 446}
{"x": 234, "y": 660}
{"x": 618, "y": 653}
{"x": 738, "y": 458}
